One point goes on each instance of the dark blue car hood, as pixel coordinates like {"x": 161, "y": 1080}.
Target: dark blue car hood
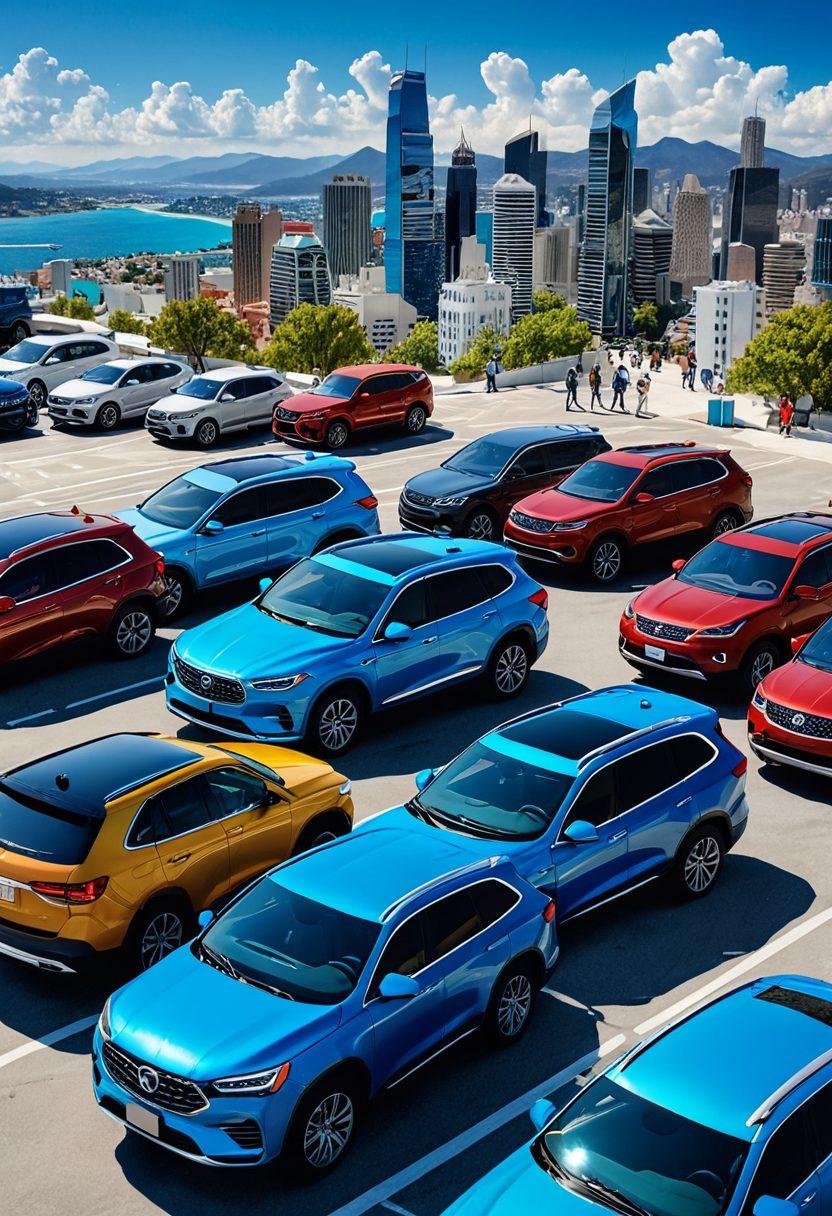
{"x": 442, "y": 483}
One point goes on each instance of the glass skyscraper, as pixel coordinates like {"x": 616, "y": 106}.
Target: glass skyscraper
{"x": 460, "y": 204}
{"x": 603, "y": 274}
{"x": 822, "y": 265}
{"x": 749, "y": 214}
{"x": 525, "y": 157}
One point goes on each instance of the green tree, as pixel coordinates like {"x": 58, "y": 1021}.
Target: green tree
{"x": 541, "y": 336}
{"x": 199, "y": 328}
{"x": 646, "y": 319}
{"x": 793, "y": 354}
{"x": 318, "y": 336}
{"x": 547, "y": 301}
{"x": 125, "y": 322}
{"x": 420, "y": 347}
{"x": 77, "y": 307}
{"x": 472, "y": 362}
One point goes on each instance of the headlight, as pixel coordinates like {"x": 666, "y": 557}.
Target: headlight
{"x": 104, "y": 1021}
{"x": 758, "y": 698}
{"x": 346, "y": 787}
{"x": 629, "y": 611}
{"x": 722, "y": 631}
{"x": 279, "y": 683}
{"x": 570, "y": 525}
{"x": 182, "y": 417}
{"x": 254, "y": 1083}
{"x": 85, "y": 400}
{"x": 314, "y": 416}
{"x": 450, "y": 502}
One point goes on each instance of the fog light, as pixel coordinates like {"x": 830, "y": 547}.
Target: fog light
{"x": 719, "y": 658}
{"x": 180, "y": 430}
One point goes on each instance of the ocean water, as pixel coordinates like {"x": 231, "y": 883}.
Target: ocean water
{"x": 112, "y": 231}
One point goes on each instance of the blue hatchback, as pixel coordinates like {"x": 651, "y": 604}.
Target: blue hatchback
{"x": 338, "y": 974}
{"x": 368, "y": 624}
{"x": 250, "y": 515}
{"x": 726, "y": 1113}
{"x": 594, "y": 796}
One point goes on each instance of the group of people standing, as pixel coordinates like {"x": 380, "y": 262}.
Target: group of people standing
{"x": 620, "y": 387}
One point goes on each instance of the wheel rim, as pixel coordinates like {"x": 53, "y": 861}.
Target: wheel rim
{"x": 511, "y": 668}
{"x": 514, "y": 1005}
{"x": 173, "y": 599}
{"x": 762, "y": 666}
{"x": 481, "y": 527}
{"x": 725, "y": 523}
{"x": 607, "y": 561}
{"x": 323, "y": 838}
{"x": 416, "y": 420}
{"x": 133, "y": 632}
{"x": 207, "y": 433}
{"x": 337, "y": 435}
{"x": 36, "y": 394}
{"x": 162, "y": 935}
{"x": 702, "y": 863}
{"x": 109, "y": 417}
{"x": 328, "y": 1130}
{"x": 339, "y": 722}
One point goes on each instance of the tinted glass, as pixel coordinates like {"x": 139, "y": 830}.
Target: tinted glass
{"x": 531, "y": 463}
{"x": 565, "y": 732}
{"x": 484, "y": 457}
{"x": 792, "y": 531}
{"x": 688, "y": 474}
{"x": 732, "y": 569}
{"x": 74, "y": 563}
{"x": 816, "y": 569}
{"x": 658, "y": 482}
{"x": 28, "y": 529}
{"x": 298, "y": 493}
{"x": 409, "y": 608}
{"x": 818, "y": 650}
{"x": 140, "y": 375}
{"x": 236, "y": 390}
{"x": 690, "y": 752}
{"x": 597, "y": 801}
{"x": 404, "y": 954}
{"x": 645, "y": 774}
{"x": 104, "y": 373}
{"x": 242, "y": 508}
{"x": 234, "y": 790}
{"x": 450, "y": 922}
{"x": 378, "y": 384}
{"x": 599, "y": 481}
{"x": 324, "y": 599}
{"x": 337, "y": 386}
{"x": 149, "y": 825}
{"x": 819, "y": 1113}
{"x": 453, "y": 592}
{"x": 179, "y": 504}
{"x": 495, "y": 579}
{"x": 391, "y": 556}
{"x": 26, "y": 352}
{"x": 787, "y": 1160}
{"x": 199, "y": 386}
{"x": 567, "y": 455}
{"x": 28, "y": 579}
{"x": 186, "y": 807}
{"x": 44, "y": 832}
{"x": 492, "y": 900}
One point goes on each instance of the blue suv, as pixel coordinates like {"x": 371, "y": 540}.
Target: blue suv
{"x": 593, "y": 796}
{"x": 338, "y": 974}
{"x": 250, "y": 515}
{"x": 725, "y": 1113}
{"x": 368, "y": 624}
{"x": 17, "y": 409}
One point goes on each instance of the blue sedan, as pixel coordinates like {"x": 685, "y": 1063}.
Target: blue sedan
{"x": 368, "y": 624}
{"x": 337, "y": 975}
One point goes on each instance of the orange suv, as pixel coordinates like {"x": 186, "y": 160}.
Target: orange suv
{"x": 123, "y": 841}
{"x": 353, "y": 399}
{"x": 630, "y": 497}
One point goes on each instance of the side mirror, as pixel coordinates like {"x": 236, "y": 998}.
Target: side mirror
{"x": 363, "y": 396}
{"x": 678, "y": 565}
{"x": 213, "y": 527}
{"x": 804, "y": 592}
{"x": 51, "y": 361}
{"x": 580, "y": 832}
{"x": 226, "y": 397}
{"x": 643, "y": 498}
{"x": 395, "y": 987}
{"x": 424, "y": 777}
{"x": 767, "y": 1205}
{"x": 797, "y": 643}
{"x": 397, "y": 632}
{"x": 541, "y": 1112}
{"x": 264, "y": 585}
{"x": 6, "y": 603}
{"x": 204, "y": 919}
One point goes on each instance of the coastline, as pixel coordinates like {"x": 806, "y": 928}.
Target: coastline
{"x": 150, "y": 209}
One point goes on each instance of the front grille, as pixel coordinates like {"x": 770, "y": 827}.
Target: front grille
{"x": 245, "y": 1134}
{"x": 418, "y": 500}
{"x": 531, "y": 523}
{"x": 208, "y": 684}
{"x": 286, "y": 415}
{"x": 799, "y": 723}
{"x": 176, "y": 1094}
{"x": 662, "y": 629}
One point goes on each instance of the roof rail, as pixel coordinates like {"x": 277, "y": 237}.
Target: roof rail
{"x": 482, "y": 863}
{"x": 636, "y": 734}
{"x": 652, "y": 447}
{"x": 773, "y": 1100}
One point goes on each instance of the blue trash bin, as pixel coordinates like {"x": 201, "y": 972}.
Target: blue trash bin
{"x": 721, "y": 411}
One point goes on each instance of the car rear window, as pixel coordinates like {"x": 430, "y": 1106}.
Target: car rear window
{"x": 43, "y": 832}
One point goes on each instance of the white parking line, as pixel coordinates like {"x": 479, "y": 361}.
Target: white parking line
{"x": 769, "y": 464}
{"x": 114, "y": 692}
{"x": 54, "y": 1036}
{"x": 44, "y": 713}
{"x": 395, "y": 1207}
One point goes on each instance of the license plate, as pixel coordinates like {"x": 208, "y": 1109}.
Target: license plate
{"x": 655, "y": 652}
{"x": 6, "y": 892}
{"x": 142, "y": 1119}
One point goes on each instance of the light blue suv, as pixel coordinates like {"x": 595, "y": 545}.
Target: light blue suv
{"x": 250, "y": 515}
{"x": 367, "y": 624}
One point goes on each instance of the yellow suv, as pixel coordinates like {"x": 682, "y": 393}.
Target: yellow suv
{"x": 123, "y": 841}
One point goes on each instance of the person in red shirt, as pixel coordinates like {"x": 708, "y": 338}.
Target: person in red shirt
{"x": 786, "y": 414}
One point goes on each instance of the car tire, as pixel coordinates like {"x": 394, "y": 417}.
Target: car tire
{"x": 335, "y": 721}
{"x": 132, "y": 631}
{"x": 322, "y": 1128}
{"x": 415, "y": 420}
{"x": 699, "y": 862}
{"x": 726, "y": 521}
{"x": 482, "y": 524}
{"x": 108, "y": 416}
{"x": 509, "y": 668}
{"x": 337, "y": 435}
{"x": 20, "y": 331}
{"x": 511, "y": 1005}
{"x": 179, "y": 594}
{"x": 207, "y": 433}
{"x": 322, "y": 829}
{"x": 606, "y": 560}
{"x": 37, "y": 393}
{"x": 158, "y": 930}
{"x": 760, "y": 660}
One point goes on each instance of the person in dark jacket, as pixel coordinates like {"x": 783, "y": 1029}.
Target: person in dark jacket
{"x": 572, "y": 390}
{"x": 595, "y": 387}
{"x": 620, "y": 384}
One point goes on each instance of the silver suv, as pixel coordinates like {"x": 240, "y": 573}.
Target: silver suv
{"x": 122, "y": 388}
{"x": 215, "y": 402}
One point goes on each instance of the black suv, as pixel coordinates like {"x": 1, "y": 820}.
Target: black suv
{"x": 472, "y": 493}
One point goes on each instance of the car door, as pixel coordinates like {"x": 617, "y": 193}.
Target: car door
{"x": 819, "y": 1114}
{"x": 787, "y": 1168}
{"x": 530, "y": 470}
{"x": 409, "y": 1029}
{"x": 239, "y": 547}
{"x": 651, "y": 801}
{"x": 467, "y": 620}
{"x": 366, "y": 407}
{"x": 257, "y": 822}
{"x": 404, "y": 668}
{"x": 471, "y": 931}
{"x": 165, "y": 377}
{"x": 259, "y": 400}
{"x": 698, "y": 488}
{"x": 194, "y": 851}
{"x": 394, "y": 401}
{"x": 232, "y": 405}
{"x": 31, "y": 612}
{"x": 587, "y": 872}
{"x": 657, "y": 517}
{"x": 136, "y": 390}
{"x": 815, "y": 570}
{"x": 59, "y": 365}
{"x": 299, "y": 514}
{"x": 89, "y": 581}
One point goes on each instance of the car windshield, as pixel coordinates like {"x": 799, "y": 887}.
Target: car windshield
{"x": 296, "y": 947}
{"x": 616, "y": 1148}
{"x": 323, "y": 598}
{"x": 26, "y": 352}
{"x": 482, "y": 458}
{"x": 599, "y": 481}
{"x": 105, "y": 373}
{"x": 489, "y": 794}
{"x": 336, "y": 386}
{"x": 179, "y": 504}
{"x": 818, "y": 650}
{"x": 200, "y": 387}
{"x": 734, "y": 570}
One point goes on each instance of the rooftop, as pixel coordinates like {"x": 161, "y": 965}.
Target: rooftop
{"x": 25, "y": 530}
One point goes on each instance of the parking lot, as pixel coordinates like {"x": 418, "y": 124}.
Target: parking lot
{"x": 623, "y": 971}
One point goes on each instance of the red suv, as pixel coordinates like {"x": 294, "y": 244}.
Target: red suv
{"x": 66, "y": 574}
{"x": 737, "y": 604}
{"x": 353, "y": 398}
{"x": 629, "y": 497}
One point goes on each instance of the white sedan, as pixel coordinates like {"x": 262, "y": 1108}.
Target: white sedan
{"x": 122, "y": 388}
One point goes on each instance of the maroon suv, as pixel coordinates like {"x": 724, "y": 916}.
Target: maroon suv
{"x": 64, "y": 574}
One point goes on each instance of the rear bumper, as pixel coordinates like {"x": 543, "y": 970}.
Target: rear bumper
{"x": 58, "y": 954}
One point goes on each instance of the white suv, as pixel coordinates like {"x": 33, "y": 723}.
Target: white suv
{"x": 45, "y": 361}
{"x": 213, "y": 403}
{"x": 123, "y": 388}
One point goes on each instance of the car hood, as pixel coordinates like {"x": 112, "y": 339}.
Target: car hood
{"x": 9, "y": 366}
{"x": 801, "y": 687}
{"x": 519, "y": 1184}
{"x": 173, "y": 404}
{"x": 681, "y": 603}
{"x": 442, "y": 483}
{"x": 479, "y": 847}
{"x": 83, "y": 388}
{"x": 305, "y": 403}
{"x": 247, "y": 643}
{"x": 185, "y": 1016}
{"x": 551, "y": 504}
{"x": 151, "y": 532}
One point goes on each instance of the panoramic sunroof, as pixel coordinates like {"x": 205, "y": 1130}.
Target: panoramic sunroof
{"x": 802, "y": 1002}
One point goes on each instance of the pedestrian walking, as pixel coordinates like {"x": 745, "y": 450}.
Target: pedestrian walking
{"x": 642, "y": 388}
{"x": 654, "y": 359}
{"x": 786, "y": 410}
{"x": 491, "y": 369}
{"x": 692, "y": 364}
{"x": 572, "y": 390}
{"x": 683, "y": 364}
{"x": 595, "y": 387}
{"x": 620, "y": 384}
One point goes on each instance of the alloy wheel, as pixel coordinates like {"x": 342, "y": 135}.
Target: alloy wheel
{"x": 481, "y": 526}
{"x": 163, "y": 934}
{"x": 322, "y": 838}
{"x": 339, "y": 722}
{"x": 514, "y": 1005}
{"x": 606, "y": 561}
{"x": 701, "y": 864}
{"x": 337, "y": 435}
{"x": 173, "y": 599}
{"x": 416, "y": 420}
{"x": 133, "y": 633}
{"x": 37, "y": 395}
{"x": 725, "y": 523}
{"x": 108, "y": 418}
{"x": 763, "y": 665}
{"x": 207, "y": 434}
{"x": 328, "y": 1130}
{"x": 511, "y": 668}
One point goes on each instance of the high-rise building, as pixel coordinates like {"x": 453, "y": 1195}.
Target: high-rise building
{"x": 515, "y": 211}
{"x": 413, "y": 258}
{"x": 753, "y": 142}
{"x": 61, "y": 270}
{"x": 484, "y": 231}
{"x": 690, "y": 259}
{"x": 470, "y": 303}
{"x": 525, "y": 158}
{"x": 181, "y": 276}
{"x": 784, "y": 265}
{"x": 460, "y": 203}
{"x": 642, "y": 190}
{"x": 581, "y": 212}
{"x": 728, "y": 315}
{"x": 300, "y": 275}
{"x": 652, "y": 245}
{"x": 822, "y": 261}
{"x": 556, "y": 260}
{"x": 385, "y": 318}
{"x": 254, "y": 233}
{"x": 749, "y": 209}
{"x": 742, "y": 263}
{"x": 603, "y": 275}
{"x": 347, "y": 208}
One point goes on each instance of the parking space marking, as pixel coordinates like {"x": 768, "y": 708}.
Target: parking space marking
{"x": 395, "y": 1207}
{"x": 44, "y": 713}
{"x": 769, "y": 464}
{"x": 113, "y": 692}
{"x": 47, "y": 1040}
{"x": 380, "y": 1194}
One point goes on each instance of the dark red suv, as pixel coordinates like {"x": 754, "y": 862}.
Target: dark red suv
{"x": 354, "y": 398}
{"x": 66, "y": 574}
{"x": 629, "y": 497}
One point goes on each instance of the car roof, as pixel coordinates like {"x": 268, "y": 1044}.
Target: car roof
{"x": 141, "y": 360}
{"x": 95, "y": 773}
{"x": 773, "y": 1028}
{"x": 783, "y": 535}
{"x": 23, "y": 531}
{"x": 60, "y": 339}
{"x": 400, "y": 553}
{"x": 235, "y": 373}
{"x": 250, "y": 468}
{"x": 372, "y": 369}
{"x": 639, "y": 456}
{"x": 519, "y": 436}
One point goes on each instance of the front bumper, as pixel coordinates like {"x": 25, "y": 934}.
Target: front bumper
{"x": 556, "y": 553}
{"x": 428, "y": 519}
{"x": 773, "y": 743}
{"x": 15, "y": 414}
{"x": 171, "y": 428}
{"x": 77, "y": 415}
{"x": 65, "y": 956}
{"x": 262, "y": 717}
{"x": 299, "y": 429}
{"x": 695, "y": 659}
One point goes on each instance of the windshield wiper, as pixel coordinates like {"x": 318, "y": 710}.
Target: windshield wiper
{"x": 621, "y": 1203}
{"x": 446, "y": 819}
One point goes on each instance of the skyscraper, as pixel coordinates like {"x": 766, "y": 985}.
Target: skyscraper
{"x": 784, "y": 264}
{"x": 460, "y": 203}
{"x": 753, "y": 142}
{"x": 347, "y": 207}
{"x": 603, "y": 275}
{"x": 181, "y": 276}
{"x": 642, "y": 190}
{"x": 254, "y": 233}
{"x": 690, "y": 259}
{"x": 749, "y": 209}
{"x": 515, "y": 213}
{"x": 822, "y": 262}
{"x": 300, "y": 275}
{"x": 525, "y": 158}
{"x": 652, "y": 244}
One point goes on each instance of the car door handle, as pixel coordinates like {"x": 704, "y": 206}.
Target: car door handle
{"x": 685, "y": 801}
{"x": 112, "y": 582}
{"x": 431, "y": 987}
{"x": 180, "y": 857}
{"x": 258, "y": 532}
{"x": 618, "y": 836}
{"x": 51, "y": 608}
{"x": 427, "y": 641}
{"x": 807, "y": 1199}
{"x": 237, "y": 831}
{"x": 317, "y": 514}
{"x": 486, "y": 616}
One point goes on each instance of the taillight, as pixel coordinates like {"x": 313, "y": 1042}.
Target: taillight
{"x": 747, "y": 480}
{"x": 72, "y": 892}
{"x": 549, "y": 912}
{"x": 541, "y": 598}
{"x": 160, "y": 565}
{"x": 367, "y": 503}
{"x": 739, "y": 770}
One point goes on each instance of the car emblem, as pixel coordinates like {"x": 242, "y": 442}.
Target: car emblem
{"x": 148, "y": 1079}
{"x": 798, "y": 719}
{"x": 205, "y": 683}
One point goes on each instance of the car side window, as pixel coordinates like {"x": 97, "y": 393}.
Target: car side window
{"x": 816, "y": 569}
{"x": 408, "y": 608}
{"x": 237, "y": 389}
{"x": 492, "y": 900}
{"x": 453, "y": 592}
{"x": 75, "y": 563}
{"x": 242, "y": 508}
{"x": 404, "y": 953}
{"x": 61, "y": 354}
{"x": 644, "y": 774}
{"x": 786, "y": 1161}
{"x": 28, "y": 579}
{"x": 149, "y": 826}
{"x": 495, "y": 579}
{"x": 186, "y": 806}
{"x": 531, "y": 463}
{"x": 376, "y": 385}
{"x": 143, "y": 374}
{"x": 597, "y": 802}
{"x": 690, "y": 752}
{"x": 566, "y": 455}
{"x": 234, "y": 790}
{"x": 657, "y": 482}
{"x": 91, "y": 349}
{"x": 260, "y": 384}
{"x": 819, "y": 1113}
{"x": 451, "y": 922}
